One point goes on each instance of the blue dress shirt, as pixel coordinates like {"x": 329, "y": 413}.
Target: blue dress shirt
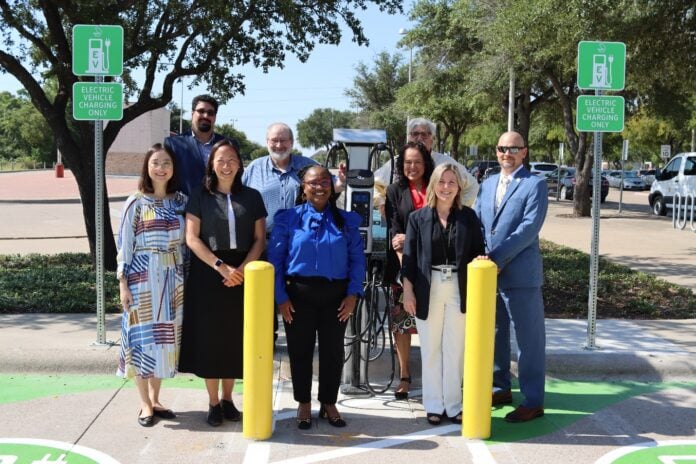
{"x": 278, "y": 189}
{"x": 305, "y": 242}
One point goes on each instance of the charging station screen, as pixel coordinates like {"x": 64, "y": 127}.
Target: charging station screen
{"x": 360, "y": 203}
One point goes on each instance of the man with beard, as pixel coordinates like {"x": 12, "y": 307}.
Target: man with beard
{"x": 193, "y": 148}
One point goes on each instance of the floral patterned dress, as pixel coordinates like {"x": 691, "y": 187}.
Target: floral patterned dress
{"x": 151, "y": 246}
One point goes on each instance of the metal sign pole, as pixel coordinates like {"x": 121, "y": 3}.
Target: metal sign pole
{"x": 99, "y": 222}
{"x": 594, "y": 252}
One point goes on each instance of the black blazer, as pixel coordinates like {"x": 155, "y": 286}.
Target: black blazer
{"x": 417, "y": 262}
{"x": 397, "y": 208}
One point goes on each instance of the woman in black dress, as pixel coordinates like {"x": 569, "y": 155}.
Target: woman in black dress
{"x": 225, "y": 230}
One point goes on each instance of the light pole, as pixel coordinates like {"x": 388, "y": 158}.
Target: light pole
{"x": 181, "y": 108}
{"x": 404, "y": 31}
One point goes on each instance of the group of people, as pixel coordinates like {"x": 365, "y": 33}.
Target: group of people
{"x": 199, "y": 217}
{"x": 434, "y": 234}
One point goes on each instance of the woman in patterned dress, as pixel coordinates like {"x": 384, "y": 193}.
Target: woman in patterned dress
{"x": 150, "y": 272}
{"x": 414, "y": 167}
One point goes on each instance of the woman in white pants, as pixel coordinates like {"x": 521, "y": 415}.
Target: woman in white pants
{"x": 441, "y": 239}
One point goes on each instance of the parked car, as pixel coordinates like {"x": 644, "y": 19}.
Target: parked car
{"x": 539, "y": 168}
{"x": 478, "y": 168}
{"x": 567, "y": 184}
{"x": 490, "y": 172}
{"x": 648, "y": 176}
{"x": 677, "y": 177}
{"x": 631, "y": 180}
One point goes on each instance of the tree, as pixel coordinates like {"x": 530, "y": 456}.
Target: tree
{"x": 246, "y": 146}
{"x": 182, "y": 38}
{"x": 374, "y": 95}
{"x": 23, "y": 132}
{"x": 316, "y": 130}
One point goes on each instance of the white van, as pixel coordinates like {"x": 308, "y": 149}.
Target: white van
{"x": 679, "y": 176}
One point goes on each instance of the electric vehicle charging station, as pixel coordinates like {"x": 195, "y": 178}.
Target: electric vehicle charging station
{"x": 360, "y": 146}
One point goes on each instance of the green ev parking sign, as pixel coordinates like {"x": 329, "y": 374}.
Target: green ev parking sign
{"x": 601, "y": 65}
{"x": 97, "y": 50}
{"x": 600, "y": 114}
{"x": 94, "y": 101}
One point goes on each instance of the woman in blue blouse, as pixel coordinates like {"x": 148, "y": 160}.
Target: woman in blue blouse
{"x": 318, "y": 256}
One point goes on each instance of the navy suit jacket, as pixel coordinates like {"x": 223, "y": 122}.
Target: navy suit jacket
{"x": 190, "y": 163}
{"x": 512, "y": 232}
{"x": 417, "y": 257}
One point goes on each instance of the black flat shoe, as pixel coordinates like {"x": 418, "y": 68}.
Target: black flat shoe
{"x": 164, "y": 413}
{"x": 336, "y": 421}
{"x": 304, "y": 423}
{"x": 214, "y": 415}
{"x": 434, "y": 419}
{"x": 402, "y": 395}
{"x": 230, "y": 411}
{"x": 147, "y": 421}
{"x": 456, "y": 419}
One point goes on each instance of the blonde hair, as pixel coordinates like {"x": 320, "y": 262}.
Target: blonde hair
{"x": 431, "y": 198}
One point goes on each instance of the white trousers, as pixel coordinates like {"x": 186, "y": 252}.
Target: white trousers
{"x": 442, "y": 348}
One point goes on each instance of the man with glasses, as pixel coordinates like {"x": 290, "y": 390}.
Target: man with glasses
{"x": 422, "y": 130}
{"x": 512, "y": 208}
{"x": 192, "y": 149}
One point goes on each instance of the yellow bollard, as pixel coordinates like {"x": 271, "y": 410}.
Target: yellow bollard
{"x": 258, "y": 351}
{"x": 478, "y": 352}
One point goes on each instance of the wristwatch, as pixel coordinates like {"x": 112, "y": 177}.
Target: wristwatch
{"x": 218, "y": 263}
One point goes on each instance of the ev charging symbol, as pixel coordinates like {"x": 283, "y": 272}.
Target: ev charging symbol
{"x": 98, "y": 53}
{"x": 601, "y": 71}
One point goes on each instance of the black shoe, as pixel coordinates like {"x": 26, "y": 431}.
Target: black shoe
{"x": 147, "y": 421}
{"x": 214, "y": 415}
{"x": 164, "y": 413}
{"x": 434, "y": 419}
{"x": 304, "y": 423}
{"x": 456, "y": 419}
{"x": 336, "y": 421}
{"x": 230, "y": 411}
{"x": 402, "y": 395}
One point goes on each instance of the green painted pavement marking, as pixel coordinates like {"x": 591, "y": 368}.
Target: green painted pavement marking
{"x": 33, "y": 451}
{"x": 21, "y": 387}
{"x": 660, "y": 452}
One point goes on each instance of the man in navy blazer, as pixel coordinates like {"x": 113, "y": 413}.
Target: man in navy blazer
{"x": 192, "y": 149}
{"x": 512, "y": 208}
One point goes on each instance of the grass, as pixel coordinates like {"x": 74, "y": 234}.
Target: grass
{"x": 65, "y": 283}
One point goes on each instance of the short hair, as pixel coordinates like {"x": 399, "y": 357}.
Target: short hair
{"x": 210, "y": 181}
{"x": 205, "y": 98}
{"x": 431, "y": 198}
{"x": 428, "y": 163}
{"x": 415, "y": 122}
{"x": 145, "y": 182}
{"x": 284, "y": 126}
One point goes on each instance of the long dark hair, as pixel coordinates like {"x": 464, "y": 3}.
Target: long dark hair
{"x": 145, "y": 182}
{"x": 428, "y": 163}
{"x": 210, "y": 181}
{"x": 301, "y": 199}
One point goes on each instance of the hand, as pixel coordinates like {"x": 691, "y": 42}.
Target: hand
{"x": 486, "y": 258}
{"x": 341, "y": 180}
{"x": 345, "y": 310}
{"x": 398, "y": 242}
{"x": 231, "y": 276}
{"x": 286, "y": 311}
{"x": 125, "y": 295}
{"x": 409, "y": 303}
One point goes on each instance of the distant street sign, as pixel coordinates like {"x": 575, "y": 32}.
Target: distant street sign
{"x": 600, "y": 114}
{"x": 97, "y": 50}
{"x": 601, "y": 65}
{"x": 665, "y": 152}
{"x": 94, "y": 101}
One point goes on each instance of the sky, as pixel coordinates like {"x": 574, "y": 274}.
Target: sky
{"x": 292, "y": 93}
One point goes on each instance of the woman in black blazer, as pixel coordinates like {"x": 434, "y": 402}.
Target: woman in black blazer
{"x": 414, "y": 166}
{"x": 441, "y": 240}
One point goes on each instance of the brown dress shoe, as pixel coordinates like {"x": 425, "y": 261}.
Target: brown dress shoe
{"x": 524, "y": 414}
{"x": 502, "y": 397}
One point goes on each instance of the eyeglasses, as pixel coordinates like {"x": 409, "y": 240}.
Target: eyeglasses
{"x": 324, "y": 183}
{"x": 164, "y": 165}
{"x": 279, "y": 141}
{"x": 204, "y": 112}
{"x": 416, "y": 134}
{"x": 513, "y": 150}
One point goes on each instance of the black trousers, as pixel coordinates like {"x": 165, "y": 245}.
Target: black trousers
{"x": 316, "y": 301}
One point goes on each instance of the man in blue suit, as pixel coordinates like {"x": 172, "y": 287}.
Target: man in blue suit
{"x": 512, "y": 208}
{"x": 192, "y": 149}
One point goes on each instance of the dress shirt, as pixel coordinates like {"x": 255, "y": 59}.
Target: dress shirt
{"x": 278, "y": 188}
{"x": 308, "y": 243}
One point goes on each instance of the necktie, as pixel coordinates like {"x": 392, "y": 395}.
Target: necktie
{"x": 502, "y": 188}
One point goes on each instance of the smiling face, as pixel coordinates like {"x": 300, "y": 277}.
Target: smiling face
{"x": 226, "y": 164}
{"x": 203, "y": 118}
{"x": 414, "y": 166}
{"x": 160, "y": 168}
{"x": 316, "y": 187}
{"x": 279, "y": 142}
{"x": 423, "y": 135}
{"x": 447, "y": 188}
{"x": 509, "y": 162}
